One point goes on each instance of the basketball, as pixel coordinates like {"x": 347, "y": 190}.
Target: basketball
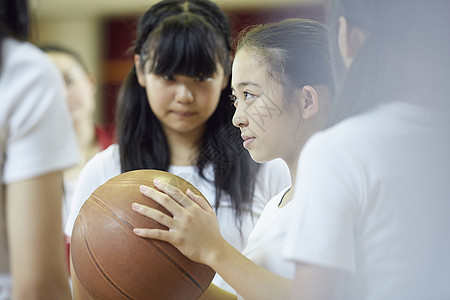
{"x": 111, "y": 262}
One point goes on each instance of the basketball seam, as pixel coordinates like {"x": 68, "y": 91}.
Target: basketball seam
{"x": 105, "y": 206}
{"x": 92, "y": 255}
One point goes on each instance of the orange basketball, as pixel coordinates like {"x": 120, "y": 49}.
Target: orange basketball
{"x": 111, "y": 262}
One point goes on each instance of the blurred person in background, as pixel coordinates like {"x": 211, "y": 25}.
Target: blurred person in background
{"x": 373, "y": 216}
{"x": 37, "y": 143}
{"x": 80, "y": 90}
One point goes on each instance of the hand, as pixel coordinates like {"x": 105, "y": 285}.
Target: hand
{"x": 193, "y": 229}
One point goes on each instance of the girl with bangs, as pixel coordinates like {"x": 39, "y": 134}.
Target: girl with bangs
{"x": 174, "y": 114}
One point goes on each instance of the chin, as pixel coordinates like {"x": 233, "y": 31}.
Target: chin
{"x": 257, "y": 157}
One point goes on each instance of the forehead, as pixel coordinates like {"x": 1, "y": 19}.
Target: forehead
{"x": 249, "y": 67}
{"x": 65, "y": 62}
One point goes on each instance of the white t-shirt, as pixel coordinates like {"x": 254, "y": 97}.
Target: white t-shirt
{"x": 265, "y": 243}
{"x": 36, "y": 134}
{"x": 374, "y": 200}
{"x": 271, "y": 179}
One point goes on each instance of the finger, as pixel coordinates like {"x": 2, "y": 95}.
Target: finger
{"x": 153, "y": 214}
{"x": 173, "y": 192}
{"x": 202, "y": 202}
{"x": 163, "y": 199}
{"x": 158, "y": 234}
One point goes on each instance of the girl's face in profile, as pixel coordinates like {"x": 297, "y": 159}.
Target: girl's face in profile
{"x": 265, "y": 119}
{"x": 183, "y": 104}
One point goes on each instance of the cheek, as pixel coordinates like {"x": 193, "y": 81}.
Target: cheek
{"x": 80, "y": 90}
{"x": 210, "y": 98}
{"x": 158, "y": 96}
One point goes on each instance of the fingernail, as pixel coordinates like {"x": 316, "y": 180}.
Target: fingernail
{"x": 143, "y": 188}
{"x": 135, "y": 206}
{"x": 157, "y": 181}
{"x": 137, "y": 230}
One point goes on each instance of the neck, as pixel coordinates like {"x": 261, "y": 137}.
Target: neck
{"x": 184, "y": 147}
{"x": 292, "y": 163}
{"x": 85, "y": 133}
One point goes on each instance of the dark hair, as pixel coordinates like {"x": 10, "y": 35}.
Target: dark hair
{"x": 14, "y": 21}
{"x": 185, "y": 37}
{"x": 405, "y": 48}
{"x": 61, "y": 49}
{"x": 295, "y": 50}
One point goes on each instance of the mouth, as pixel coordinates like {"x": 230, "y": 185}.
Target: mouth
{"x": 247, "y": 141}
{"x": 183, "y": 114}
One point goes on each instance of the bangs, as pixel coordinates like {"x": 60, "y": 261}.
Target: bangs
{"x": 184, "y": 45}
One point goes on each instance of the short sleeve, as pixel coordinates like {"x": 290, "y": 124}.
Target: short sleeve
{"x": 40, "y": 136}
{"x": 321, "y": 230}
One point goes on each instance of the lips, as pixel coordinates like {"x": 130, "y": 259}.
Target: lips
{"x": 247, "y": 141}
{"x": 183, "y": 114}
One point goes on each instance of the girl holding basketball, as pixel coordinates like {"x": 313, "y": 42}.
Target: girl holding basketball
{"x": 283, "y": 68}
{"x": 174, "y": 114}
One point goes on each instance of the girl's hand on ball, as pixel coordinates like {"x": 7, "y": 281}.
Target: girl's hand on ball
{"x": 193, "y": 229}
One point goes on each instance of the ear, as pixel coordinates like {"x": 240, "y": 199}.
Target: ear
{"x": 309, "y": 102}
{"x": 139, "y": 72}
{"x": 350, "y": 40}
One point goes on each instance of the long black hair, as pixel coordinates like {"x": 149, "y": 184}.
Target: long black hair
{"x": 406, "y": 54}
{"x": 185, "y": 37}
{"x": 14, "y": 21}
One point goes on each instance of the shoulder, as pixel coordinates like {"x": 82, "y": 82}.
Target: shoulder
{"x": 361, "y": 134}
{"x": 105, "y": 162}
{"x": 21, "y": 56}
{"x": 29, "y": 78}
{"x": 99, "y": 169}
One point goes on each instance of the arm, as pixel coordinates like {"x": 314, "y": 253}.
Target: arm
{"x": 316, "y": 283}
{"x": 194, "y": 223}
{"x": 35, "y": 238}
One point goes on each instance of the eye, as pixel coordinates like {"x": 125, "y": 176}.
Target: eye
{"x": 234, "y": 100}
{"x": 248, "y": 95}
{"x": 168, "y": 77}
{"x": 202, "y": 78}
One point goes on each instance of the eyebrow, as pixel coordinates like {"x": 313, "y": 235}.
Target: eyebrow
{"x": 245, "y": 84}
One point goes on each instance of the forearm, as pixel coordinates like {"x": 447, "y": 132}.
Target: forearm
{"x": 247, "y": 278}
{"x": 35, "y": 238}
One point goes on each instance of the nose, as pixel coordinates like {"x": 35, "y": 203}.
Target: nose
{"x": 240, "y": 118}
{"x": 183, "y": 94}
